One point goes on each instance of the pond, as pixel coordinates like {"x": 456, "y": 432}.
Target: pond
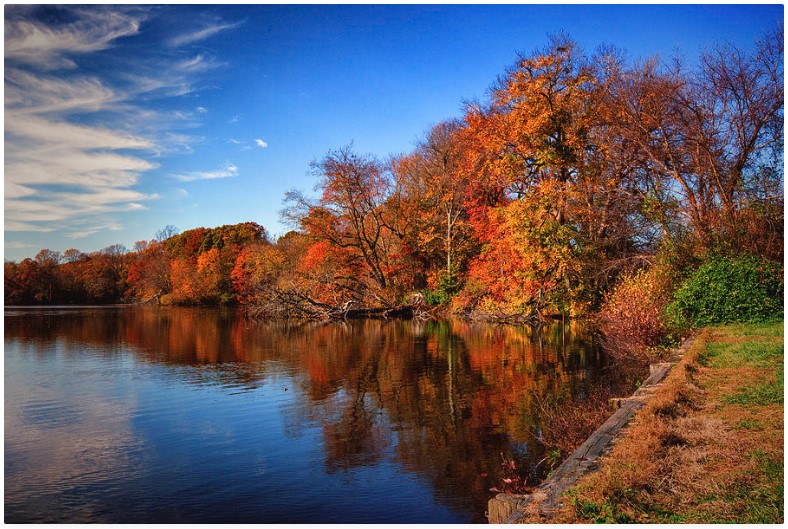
{"x": 156, "y": 414}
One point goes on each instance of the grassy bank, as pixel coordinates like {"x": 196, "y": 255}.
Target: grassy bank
{"x": 708, "y": 448}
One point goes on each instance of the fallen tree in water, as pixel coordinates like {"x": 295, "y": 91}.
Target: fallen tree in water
{"x": 298, "y": 305}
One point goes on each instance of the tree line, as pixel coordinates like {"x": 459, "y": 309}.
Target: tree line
{"x": 579, "y": 170}
{"x": 196, "y": 267}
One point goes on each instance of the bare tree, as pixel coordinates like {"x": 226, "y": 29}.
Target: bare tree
{"x": 708, "y": 139}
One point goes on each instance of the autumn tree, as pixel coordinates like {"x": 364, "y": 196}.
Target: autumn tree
{"x": 72, "y": 274}
{"x": 106, "y": 274}
{"x": 21, "y": 283}
{"x": 556, "y": 204}
{"x": 193, "y": 267}
{"x": 352, "y": 221}
{"x": 433, "y": 196}
{"x": 149, "y": 273}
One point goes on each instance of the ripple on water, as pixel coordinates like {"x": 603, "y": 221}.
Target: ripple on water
{"x": 49, "y": 414}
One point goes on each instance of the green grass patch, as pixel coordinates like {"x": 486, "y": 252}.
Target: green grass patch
{"x": 763, "y": 349}
{"x": 761, "y": 345}
{"x": 625, "y": 507}
{"x": 760, "y": 394}
{"x": 754, "y": 329}
{"x": 763, "y": 500}
{"x": 747, "y": 424}
{"x": 606, "y": 511}
{"x": 761, "y": 353}
{"x": 751, "y": 500}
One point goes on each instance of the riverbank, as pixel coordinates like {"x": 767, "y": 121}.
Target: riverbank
{"x": 707, "y": 448}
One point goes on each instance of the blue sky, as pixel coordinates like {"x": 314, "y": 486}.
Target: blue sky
{"x": 120, "y": 120}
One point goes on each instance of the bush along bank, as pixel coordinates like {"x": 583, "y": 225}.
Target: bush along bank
{"x": 726, "y": 290}
{"x": 650, "y": 309}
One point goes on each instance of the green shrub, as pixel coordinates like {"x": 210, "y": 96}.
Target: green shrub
{"x": 445, "y": 289}
{"x": 729, "y": 290}
{"x": 436, "y": 297}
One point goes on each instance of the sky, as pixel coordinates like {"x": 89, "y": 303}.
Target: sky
{"x": 121, "y": 120}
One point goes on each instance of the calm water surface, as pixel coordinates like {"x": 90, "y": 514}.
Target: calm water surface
{"x": 196, "y": 415}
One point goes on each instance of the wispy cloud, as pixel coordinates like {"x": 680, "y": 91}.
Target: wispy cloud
{"x": 202, "y": 33}
{"x": 198, "y": 63}
{"x": 227, "y": 171}
{"x": 49, "y": 46}
{"x": 93, "y": 228}
{"x": 260, "y": 143}
{"x": 77, "y": 143}
{"x": 244, "y": 146}
{"x": 18, "y": 245}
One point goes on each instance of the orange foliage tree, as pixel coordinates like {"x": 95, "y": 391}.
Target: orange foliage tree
{"x": 551, "y": 203}
{"x": 355, "y": 228}
{"x": 432, "y": 193}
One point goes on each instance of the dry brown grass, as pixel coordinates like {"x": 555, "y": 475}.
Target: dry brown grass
{"x": 694, "y": 454}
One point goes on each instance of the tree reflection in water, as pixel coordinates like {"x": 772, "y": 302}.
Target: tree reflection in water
{"x": 443, "y": 400}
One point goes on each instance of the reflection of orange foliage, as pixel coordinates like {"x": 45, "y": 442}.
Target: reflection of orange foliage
{"x": 458, "y": 394}
{"x": 519, "y": 364}
{"x": 318, "y": 371}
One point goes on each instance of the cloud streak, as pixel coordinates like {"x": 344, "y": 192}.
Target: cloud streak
{"x": 201, "y": 34}
{"x": 227, "y": 171}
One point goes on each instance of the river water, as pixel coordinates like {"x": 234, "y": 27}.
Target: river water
{"x": 120, "y": 414}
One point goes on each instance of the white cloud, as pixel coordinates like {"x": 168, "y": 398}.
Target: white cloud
{"x": 49, "y": 47}
{"x": 198, "y": 63}
{"x": 28, "y": 93}
{"x": 201, "y": 110}
{"x": 246, "y": 146}
{"x": 60, "y": 210}
{"x": 93, "y": 229}
{"x": 18, "y": 245}
{"x": 15, "y": 225}
{"x": 13, "y": 190}
{"x": 201, "y": 34}
{"x": 42, "y": 132}
{"x": 227, "y": 171}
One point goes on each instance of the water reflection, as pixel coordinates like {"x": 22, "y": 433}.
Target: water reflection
{"x": 439, "y": 400}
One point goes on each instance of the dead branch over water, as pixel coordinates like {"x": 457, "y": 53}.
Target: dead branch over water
{"x": 291, "y": 304}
